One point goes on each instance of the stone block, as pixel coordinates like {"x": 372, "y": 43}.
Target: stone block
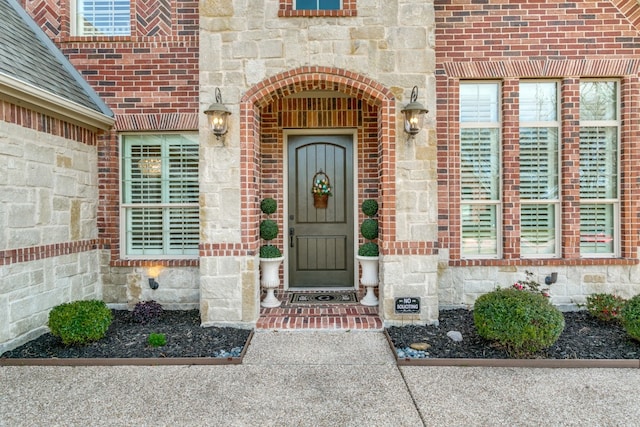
{"x": 216, "y": 8}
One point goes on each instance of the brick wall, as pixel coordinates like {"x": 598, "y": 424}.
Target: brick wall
{"x": 509, "y": 41}
{"x": 150, "y": 80}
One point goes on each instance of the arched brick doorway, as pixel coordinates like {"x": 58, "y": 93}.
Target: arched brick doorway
{"x": 316, "y": 98}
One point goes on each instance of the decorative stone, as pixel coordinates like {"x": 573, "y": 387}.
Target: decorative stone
{"x": 455, "y": 336}
{"x": 420, "y": 346}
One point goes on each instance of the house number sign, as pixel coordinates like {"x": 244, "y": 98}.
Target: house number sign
{"x": 408, "y": 305}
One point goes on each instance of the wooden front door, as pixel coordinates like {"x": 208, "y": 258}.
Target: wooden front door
{"x": 320, "y": 240}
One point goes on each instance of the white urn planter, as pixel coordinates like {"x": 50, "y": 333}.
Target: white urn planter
{"x": 369, "y": 278}
{"x": 270, "y": 280}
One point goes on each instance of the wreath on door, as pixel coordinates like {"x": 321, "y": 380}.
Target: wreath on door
{"x": 321, "y": 190}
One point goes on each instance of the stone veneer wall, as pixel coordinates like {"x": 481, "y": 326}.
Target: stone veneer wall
{"x": 49, "y": 251}
{"x": 460, "y": 287}
{"x": 257, "y": 54}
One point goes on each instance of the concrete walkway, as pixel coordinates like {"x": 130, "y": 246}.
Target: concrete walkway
{"x": 317, "y": 379}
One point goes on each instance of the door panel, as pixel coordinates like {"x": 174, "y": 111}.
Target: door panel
{"x": 320, "y": 240}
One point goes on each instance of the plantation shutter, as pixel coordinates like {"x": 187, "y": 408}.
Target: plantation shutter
{"x": 160, "y": 195}
{"x": 539, "y": 196}
{"x": 599, "y": 174}
{"x": 480, "y": 169}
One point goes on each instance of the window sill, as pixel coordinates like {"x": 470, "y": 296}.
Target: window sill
{"x": 317, "y": 13}
{"x": 542, "y": 262}
{"x": 183, "y": 262}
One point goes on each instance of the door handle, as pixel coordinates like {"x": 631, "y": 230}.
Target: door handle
{"x": 291, "y": 234}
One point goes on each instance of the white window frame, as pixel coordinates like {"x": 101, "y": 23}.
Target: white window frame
{"x": 556, "y": 203}
{"x": 481, "y": 202}
{"x": 615, "y": 202}
{"x": 78, "y": 30}
{"x": 125, "y": 252}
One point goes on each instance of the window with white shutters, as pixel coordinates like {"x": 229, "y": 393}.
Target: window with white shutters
{"x": 160, "y": 195}
{"x": 480, "y": 170}
{"x": 102, "y": 18}
{"x": 539, "y": 179}
{"x": 599, "y": 176}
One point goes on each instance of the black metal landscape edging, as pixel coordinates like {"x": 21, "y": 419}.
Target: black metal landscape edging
{"x": 515, "y": 363}
{"x": 134, "y": 361}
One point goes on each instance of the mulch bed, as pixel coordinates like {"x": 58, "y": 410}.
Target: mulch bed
{"x": 128, "y": 339}
{"x": 584, "y": 337}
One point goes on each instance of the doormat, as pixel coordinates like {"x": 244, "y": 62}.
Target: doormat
{"x": 323, "y": 297}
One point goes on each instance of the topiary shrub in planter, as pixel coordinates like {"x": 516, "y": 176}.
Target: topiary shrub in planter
{"x": 630, "y": 317}
{"x": 80, "y": 322}
{"x": 605, "y": 307}
{"x": 269, "y": 229}
{"x": 369, "y": 252}
{"x": 523, "y": 322}
{"x": 270, "y": 255}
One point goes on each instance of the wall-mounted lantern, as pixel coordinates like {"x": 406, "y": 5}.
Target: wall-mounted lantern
{"x": 218, "y": 116}
{"x": 414, "y": 113}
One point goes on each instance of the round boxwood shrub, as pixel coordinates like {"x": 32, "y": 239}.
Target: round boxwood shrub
{"x": 523, "y": 322}
{"x": 268, "y": 229}
{"x": 369, "y": 249}
{"x": 268, "y": 206}
{"x": 630, "y": 317}
{"x": 370, "y": 207}
{"x": 369, "y": 229}
{"x": 80, "y": 322}
{"x": 270, "y": 251}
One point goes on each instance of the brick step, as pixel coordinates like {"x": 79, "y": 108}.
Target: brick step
{"x": 314, "y": 316}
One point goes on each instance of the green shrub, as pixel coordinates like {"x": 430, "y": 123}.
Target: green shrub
{"x": 630, "y": 317}
{"x": 369, "y": 249}
{"x": 605, "y": 307}
{"x": 270, "y": 251}
{"x": 370, "y": 207}
{"x": 369, "y": 229}
{"x": 157, "y": 340}
{"x": 523, "y": 322}
{"x": 268, "y": 206}
{"x": 268, "y": 229}
{"x": 80, "y": 322}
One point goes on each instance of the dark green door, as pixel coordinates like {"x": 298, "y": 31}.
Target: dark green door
{"x": 320, "y": 240}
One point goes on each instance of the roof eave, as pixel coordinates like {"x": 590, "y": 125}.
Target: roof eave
{"x": 53, "y": 105}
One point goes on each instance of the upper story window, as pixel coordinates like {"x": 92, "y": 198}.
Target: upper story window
{"x": 309, "y": 8}
{"x": 318, "y": 4}
{"x": 102, "y": 18}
